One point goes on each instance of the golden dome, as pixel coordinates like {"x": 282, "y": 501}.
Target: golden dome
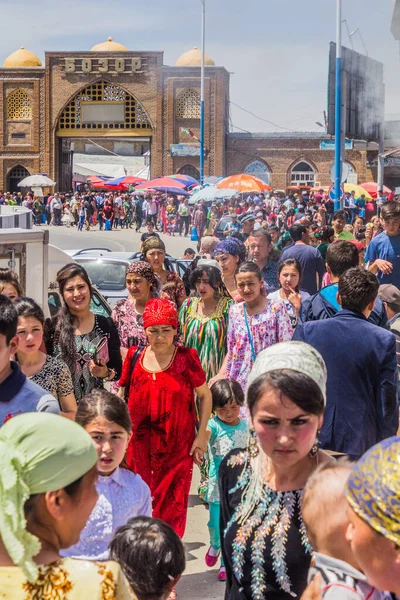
{"x": 22, "y": 58}
{"x": 109, "y": 46}
{"x": 193, "y": 59}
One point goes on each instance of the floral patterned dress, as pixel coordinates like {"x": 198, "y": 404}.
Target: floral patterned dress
{"x": 268, "y": 556}
{"x": 206, "y": 334}
{"x": 266, "y": 328}
{"x": 67, "y": 579}
{"x": 129, "y": 324}
{"x": 163, "y": 415}
{"x": 174, "y": 288}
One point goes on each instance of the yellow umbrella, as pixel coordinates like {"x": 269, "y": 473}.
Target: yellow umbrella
{"x": 351, "y": 187}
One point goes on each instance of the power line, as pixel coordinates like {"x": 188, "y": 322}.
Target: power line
{"x": 260, "y": 118}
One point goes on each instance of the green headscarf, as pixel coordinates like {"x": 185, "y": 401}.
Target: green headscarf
{"x": 39, "y": 453}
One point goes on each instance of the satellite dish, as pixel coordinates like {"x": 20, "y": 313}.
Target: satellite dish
{"x": 345, "y": 172}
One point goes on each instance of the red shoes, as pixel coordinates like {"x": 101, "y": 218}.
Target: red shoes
{"x": 212, "y": 558}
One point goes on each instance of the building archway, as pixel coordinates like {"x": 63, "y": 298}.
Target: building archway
{"x": 17, "y": 174}
{"x": 259, "y": 169}
{"x": 302, "y": 173}
{"x": 191, "y": 171}
{"x": 103, "y": 116}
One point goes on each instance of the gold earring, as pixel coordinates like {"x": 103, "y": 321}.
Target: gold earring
{"x": 253, "y": 444}
{"x": 315, "y": 448}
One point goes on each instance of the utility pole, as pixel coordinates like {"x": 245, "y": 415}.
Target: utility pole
{"x": 203, "y": 41}
{"x": 338, "y": 105}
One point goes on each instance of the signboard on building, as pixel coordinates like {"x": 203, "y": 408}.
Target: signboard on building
{"x": 184, "y": 149}
{"x": 364, "y": 97}
{"x": 111, "y": 66}
{"x": 330, "y": 145}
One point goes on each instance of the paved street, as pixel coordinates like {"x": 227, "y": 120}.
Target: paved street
{"x": 117, "y": 240}
{"x": 198, "y": 582}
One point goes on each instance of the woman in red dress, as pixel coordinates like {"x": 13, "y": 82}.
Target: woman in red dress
{"x": 164, "y": 443}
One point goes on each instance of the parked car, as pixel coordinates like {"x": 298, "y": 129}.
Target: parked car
{"x": 106, "y": 269}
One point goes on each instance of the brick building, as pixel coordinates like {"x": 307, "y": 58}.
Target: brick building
{"x": 112, "y": 95}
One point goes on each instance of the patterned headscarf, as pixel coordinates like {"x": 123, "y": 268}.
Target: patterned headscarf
{"x": 296, "y": 356}
{"x": 39, "y": 453}
{"x": 153, "y": 242}
{"x": 373, "y": 488}
{"x": 144, "y": 269}
{"x": 231, "y": 246}
{"x": 160, "y": 311}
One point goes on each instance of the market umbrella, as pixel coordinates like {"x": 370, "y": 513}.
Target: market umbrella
{"x": 186, "y": 179}
{"x": 211, "y": 193}
{"x": 244, "y": 183}
{"x": 123, "y": 183}
{"x": 372, "y": 188}
{"x": 351, "y": 187}
{"x": 160, "y": 182}
{"x": 37, "y": 181}
{"x": 164, "y": 190}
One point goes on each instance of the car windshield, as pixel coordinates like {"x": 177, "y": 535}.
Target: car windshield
{"x": 105, "y": 275}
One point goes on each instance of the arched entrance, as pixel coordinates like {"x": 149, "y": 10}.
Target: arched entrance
{"x": 17, "y": 174}
{"x": 259, "y": 169}
{"x": 102, "y": 125}
{"x": 191, "y": 171}
{"x": 302, "y": 174}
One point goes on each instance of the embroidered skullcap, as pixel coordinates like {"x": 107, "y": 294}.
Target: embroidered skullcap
{"x": 153, "y": 243}
{"x": 159, "y": 311}
{"x": 296, "y": 356}
{"x": 39, "y": 452}
{"x": 231, "y": 246}
{"x": 373, "y": 488}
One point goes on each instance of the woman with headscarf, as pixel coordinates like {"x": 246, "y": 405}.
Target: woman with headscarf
{"x": 154, "y": 253}
{"x": 47, "y": 492}
{"x": 230, "y": 253}
{"x": 265, "y": 546}
{"x": 204, "y": 317}
{"x": 162, "y": 383}
{"x": 142, "y": 284}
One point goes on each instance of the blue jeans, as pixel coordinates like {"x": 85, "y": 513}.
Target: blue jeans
{"x": 81, "y": 223}
{"x": 213, "y": 527}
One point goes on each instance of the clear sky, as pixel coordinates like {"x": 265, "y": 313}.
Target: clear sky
{"x": 276, "y": 50}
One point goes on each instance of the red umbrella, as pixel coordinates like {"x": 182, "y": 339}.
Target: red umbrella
{"x": 372, "y": 188}
{"x": 161, "y": 182}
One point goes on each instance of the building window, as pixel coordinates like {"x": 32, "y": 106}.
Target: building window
{"x": 19, "y": 106}
{"x": 18, "y": 136}
{"x": 188, "y": 104}
{"x": 302, "y": 174}
{"x": 259, "y": 169}
{"x": 15, "y": 176}
{"x": 191, "y": 171}
{"x": 103, "y": 106}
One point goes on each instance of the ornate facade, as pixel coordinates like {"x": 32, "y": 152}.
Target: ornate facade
{"x": 111, "y": 92}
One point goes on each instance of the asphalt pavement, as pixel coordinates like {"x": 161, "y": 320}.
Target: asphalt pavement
{"x": 198, "y": 582}
{"x": 118, "y": 240}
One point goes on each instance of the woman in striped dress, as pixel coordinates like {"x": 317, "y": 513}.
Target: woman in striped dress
{"x": 204, "y": 318}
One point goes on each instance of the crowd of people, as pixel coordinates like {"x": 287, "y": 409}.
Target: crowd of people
{"x": 272, "y": 367}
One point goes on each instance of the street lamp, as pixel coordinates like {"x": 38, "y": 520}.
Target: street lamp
{"x": 203, "y": 39}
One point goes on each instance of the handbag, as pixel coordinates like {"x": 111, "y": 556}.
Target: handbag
{"x": 132, "y": 364}
{"x": 195, "y": 236}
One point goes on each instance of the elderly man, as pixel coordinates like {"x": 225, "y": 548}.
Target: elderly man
{"x": 260, "y": 249}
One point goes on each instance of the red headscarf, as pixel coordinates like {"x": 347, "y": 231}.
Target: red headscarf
{"x": 159, "y": 311}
